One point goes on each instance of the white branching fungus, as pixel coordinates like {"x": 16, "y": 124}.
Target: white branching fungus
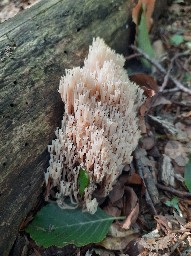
{"x": 99, "y": 130}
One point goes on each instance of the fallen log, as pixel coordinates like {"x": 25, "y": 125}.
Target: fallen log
{"x": 35, "y": 48}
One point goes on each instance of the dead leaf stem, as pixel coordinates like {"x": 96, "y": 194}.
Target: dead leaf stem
{"x": 177, "y": 83}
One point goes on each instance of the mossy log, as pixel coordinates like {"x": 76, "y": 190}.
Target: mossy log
{"x": 35, "y": 48}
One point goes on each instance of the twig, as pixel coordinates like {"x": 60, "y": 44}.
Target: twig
{"x": 162, "y": 70}
{"x": 171, "y": 90}
{"x": 174, "y": 191}
{"x": 140, "y": 171}
{"x": 132, "y": 56}
{"x": 182, "y": 104}
{"x": 165, "y": 81}
{"x": 166, "y": 78}
{"x": 181, "y": 54}
{"x": 164, "y": 84}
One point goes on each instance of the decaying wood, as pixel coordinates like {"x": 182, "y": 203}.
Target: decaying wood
{"x": 35, "y": 48}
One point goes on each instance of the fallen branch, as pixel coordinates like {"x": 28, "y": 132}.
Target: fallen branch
{"x": 162, "y": 70}
{"x": 174, "y": 191}
{"x": 140, "y": 172}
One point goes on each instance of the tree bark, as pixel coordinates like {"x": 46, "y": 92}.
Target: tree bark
{"x": 35, "y": 48}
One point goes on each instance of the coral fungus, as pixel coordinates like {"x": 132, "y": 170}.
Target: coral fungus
{"x": 99, "y": 129}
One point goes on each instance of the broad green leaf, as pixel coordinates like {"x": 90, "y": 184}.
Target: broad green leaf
{"x": 143, "y": 39}
{"x": 176, "y": 40}
{"x": 83, "y": 181}
{"x": 55, "y": 226}
{"x": 187, "y": 175}
{"x": 174, "y": 203}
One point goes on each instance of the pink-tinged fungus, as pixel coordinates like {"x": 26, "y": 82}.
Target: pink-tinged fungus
{"x": 99, "y": 130}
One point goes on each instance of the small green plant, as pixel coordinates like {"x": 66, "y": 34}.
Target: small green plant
{"x": 174, "y": 203}
{"x": 176, "y": 40}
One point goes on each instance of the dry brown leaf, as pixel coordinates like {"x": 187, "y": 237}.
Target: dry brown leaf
{"x": 176, "y": 151}
{"x": 123, "y": 178}
{"x": 145, "y": 107}
{"x": 178, "y": 169}
{"x": 117, "y": 193}
{"x": 131, "y": 219}
{"x": 184, "y": 134}
{"x": 112, "y": 210}
{"x": 118, "y": 243}
{"x": 146, "y": 82}
{"x": 163, "y": 223}
{"x": 156, "y": 244}
{"x": 150, "y": 87}
{"x": 142, "y": 124}
{"x": 116, "y": 230}
{"x": 134, "y": 179}
{"x": 148, "y": 142}
{"x": 149, "y": 7}
{"x": 131, "y": 207}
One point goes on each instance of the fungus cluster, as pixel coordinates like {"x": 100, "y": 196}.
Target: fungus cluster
{"x": 99, "y": 129}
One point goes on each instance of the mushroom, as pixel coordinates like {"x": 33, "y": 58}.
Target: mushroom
{"x": 99, "y": 130}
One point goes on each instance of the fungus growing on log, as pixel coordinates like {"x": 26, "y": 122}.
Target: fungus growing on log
{"x": 99, "y": 130}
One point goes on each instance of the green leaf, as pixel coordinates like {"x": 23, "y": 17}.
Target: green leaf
{"x": 187, "y": 77}
{"x": 174, "y": 203}
{"x": 83, "y": 181}
{"x": 55, "y": 226}
{"x": 176, "y": 40}
{"x": 187, "y": 175}
{"x": 143, "y": 39}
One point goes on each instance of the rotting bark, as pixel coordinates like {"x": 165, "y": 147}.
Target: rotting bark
{"x": 35, "y": 48}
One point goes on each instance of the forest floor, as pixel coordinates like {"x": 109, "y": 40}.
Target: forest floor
{"x": 154, "y": 192}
